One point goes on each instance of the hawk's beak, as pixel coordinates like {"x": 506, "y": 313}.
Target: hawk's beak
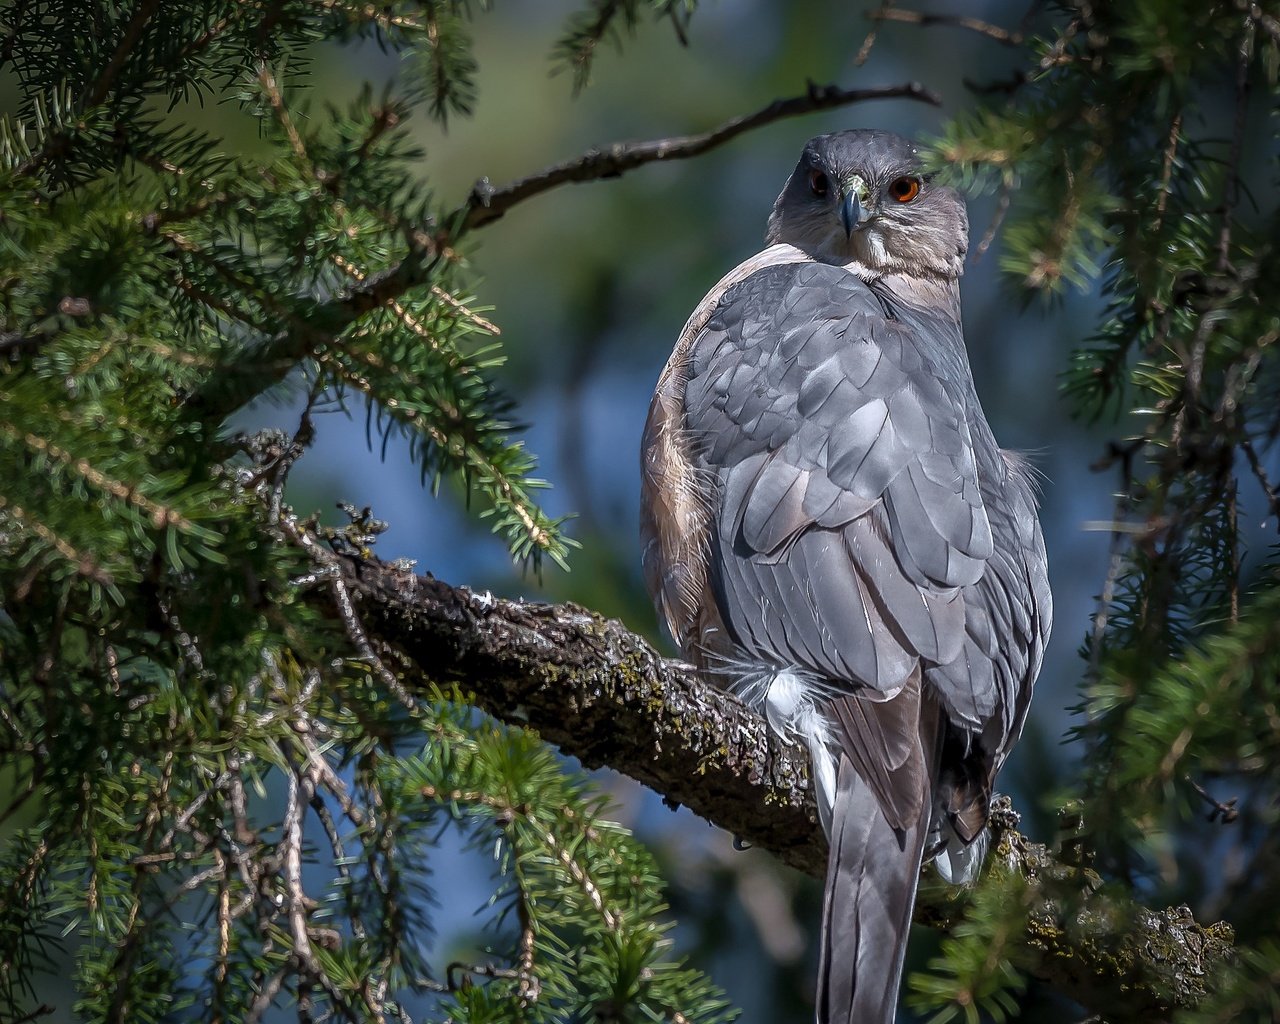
{"x": 853, "y": 208}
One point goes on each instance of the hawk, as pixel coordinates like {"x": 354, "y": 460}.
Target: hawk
{"x": 830, "y": 529}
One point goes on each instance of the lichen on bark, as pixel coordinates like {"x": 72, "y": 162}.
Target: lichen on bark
{"x": 602, "y": 694}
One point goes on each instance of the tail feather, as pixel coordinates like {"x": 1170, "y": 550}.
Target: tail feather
{"x": 872, "y": 873}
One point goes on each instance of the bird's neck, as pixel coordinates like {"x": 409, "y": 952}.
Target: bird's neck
{"x": 926, "y": 291}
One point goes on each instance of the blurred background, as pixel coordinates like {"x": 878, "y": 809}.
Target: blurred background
{"x": 591, "y": 284}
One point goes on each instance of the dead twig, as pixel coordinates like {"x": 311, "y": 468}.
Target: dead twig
{"x": 926, "y": 18}
{"x": 1218, "y": 811}
{"x": 487, "y": 203}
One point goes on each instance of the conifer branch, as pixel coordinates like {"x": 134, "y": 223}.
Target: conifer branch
{"x": 159, "y": 515}
{"x": 132, "y": 35}
{"x": 83, "y": 563}
{"x": 380, "y": 15}
{"x": 487, "y": 203}
{"x": 926, "y": 18}
{"x": 603, "y": 695}
{"x": 304, "y": 336}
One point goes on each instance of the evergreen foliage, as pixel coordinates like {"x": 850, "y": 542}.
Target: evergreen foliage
{"x": 1140, "y": 145}
{"x": 184, "y": 732}
{"x": 230, "y": 803}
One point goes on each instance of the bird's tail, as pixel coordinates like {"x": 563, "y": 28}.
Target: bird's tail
{"x": 872, "y": 874}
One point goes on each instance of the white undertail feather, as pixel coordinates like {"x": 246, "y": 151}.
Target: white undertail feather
{"x": 791, "y": 701}
{"x": 956, "y": 862}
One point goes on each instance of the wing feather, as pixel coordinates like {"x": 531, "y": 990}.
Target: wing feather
{"x": 852, "y": 530}
{"x": 838, "y": 511}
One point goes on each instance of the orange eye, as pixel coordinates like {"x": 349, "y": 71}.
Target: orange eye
{"x": 905, "y": 189}
{"x": 818, "y": 183}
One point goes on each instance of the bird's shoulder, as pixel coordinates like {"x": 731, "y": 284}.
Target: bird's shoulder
{"x": 823, "y": 286}
{"x": 814, "y": 400}
{"x": 809, "y": 356}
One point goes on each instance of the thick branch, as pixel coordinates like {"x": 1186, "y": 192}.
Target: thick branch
{"x": 604, "y": 696}
{"x": 487, "y": 203}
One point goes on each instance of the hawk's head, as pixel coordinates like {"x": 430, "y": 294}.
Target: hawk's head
{"x": 859, "y": 196}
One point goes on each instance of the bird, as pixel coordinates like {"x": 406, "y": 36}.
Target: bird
{"x": 830, "y": 530}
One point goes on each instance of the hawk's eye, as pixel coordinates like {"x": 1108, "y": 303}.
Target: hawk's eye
{"x": 905, "y": 189}
{"x": 818, "y": 183}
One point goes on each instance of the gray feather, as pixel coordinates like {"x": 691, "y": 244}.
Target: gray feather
{"x": 872, "y": 873}
{"x": 862, "y": 536}
{"x": 822, "y": 392}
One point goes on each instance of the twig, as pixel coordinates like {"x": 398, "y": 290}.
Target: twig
{"x": 864, "y": 51}
{"x": 382, "y": 15}
{"x": 1268, "y": 488}
{"x": 1227, "y": 812}
{"x": 1058, "y": 52}
{"x": 323, "y": 774}
{"x": 594, "y": 31}
{"x": 1231, "y": 188}
{"x": 530, "y": 988}
{"x": 330, "y": 827}
{"x": 1166, "y": 171}
{"x": 480, "y": 970}
{"x": 132, "y": 33}
{"x": 182, "y": 821}
{"x": 291, "y": 841}
{"x": 925, "y": 18}
{"x": 194, "y": 882}
{"x": 224, "y": 929}
{"x": 355, "y": 630}
{"x": 239, "y": 805}
{"x": 265, "y": 997}
{"x": 997, "y": 218}
{"x": 487, "y": 203}
{"x": 269, "y": 85}
{"x": 578, "y": 872}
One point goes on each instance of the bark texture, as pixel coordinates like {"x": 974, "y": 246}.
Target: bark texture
{"x": 603, "y": 695}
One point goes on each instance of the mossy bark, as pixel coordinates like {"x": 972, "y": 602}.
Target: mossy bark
{"x": 603, "y": 695}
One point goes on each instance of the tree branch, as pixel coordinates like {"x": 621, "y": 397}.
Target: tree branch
{"x": 487, "y": 203}
{"x": 132, "y": 34}
{"x": 925, "y": 18}
{"x": 604, "y": 696}
{"x": 300, "y": 335}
